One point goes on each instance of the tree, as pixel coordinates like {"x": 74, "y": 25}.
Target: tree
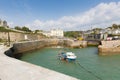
{"x": 26, "y": 29}
{"x": 23, "y": 28}
{"x": 96, "y": 30}
{"x": 36, "y": 31}
{"x": 114, "y": 26}
{"x": 73, "y": 34}
{"x": 18, "y": 28}
{"x": 3, "y": 29}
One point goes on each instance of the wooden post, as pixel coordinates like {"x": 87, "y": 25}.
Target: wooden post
{"x": 8, "y": 39}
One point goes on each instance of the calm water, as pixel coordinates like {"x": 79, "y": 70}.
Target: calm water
{"x": 88, "y": 66}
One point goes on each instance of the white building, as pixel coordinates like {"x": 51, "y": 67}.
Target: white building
{"x": 54, "y": 33}
{"x": 57, "y": 33}
{"x": 117, "y": 31}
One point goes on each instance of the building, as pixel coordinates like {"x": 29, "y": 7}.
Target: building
{"x": 116, "y": 31}
{"x": 46, "y": 33}
{"x": 3, "y": 23}
{"x": 54, "y": 33}
{"x": 57, "y": 33}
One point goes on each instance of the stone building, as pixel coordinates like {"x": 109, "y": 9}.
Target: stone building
{"x": 3, "y": 23}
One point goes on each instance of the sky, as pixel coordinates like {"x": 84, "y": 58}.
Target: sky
{"x": 60, "y": 14}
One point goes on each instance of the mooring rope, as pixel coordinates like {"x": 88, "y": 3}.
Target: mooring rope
{"x": 88, "y": 71}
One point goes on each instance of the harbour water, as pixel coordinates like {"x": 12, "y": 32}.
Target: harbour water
{"x": 88, "y": 66}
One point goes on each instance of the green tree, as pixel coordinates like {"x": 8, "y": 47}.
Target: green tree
{"x": 96, "y": 30}
{"x": 115, "y": 26}
{"x": 73, "y": 34}
{"x": 3, "y": 29}
{"x": 36, "y": 31}
{"x": 26, "y": 29}
{"x": 18, "y": 28}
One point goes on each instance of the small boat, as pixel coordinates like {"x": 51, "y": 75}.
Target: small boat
{"x": 68, "y": 56}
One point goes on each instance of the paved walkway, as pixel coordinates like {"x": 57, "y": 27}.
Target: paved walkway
{"x": 13, "y": 69}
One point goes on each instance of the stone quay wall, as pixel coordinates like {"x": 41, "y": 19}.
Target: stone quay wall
{"x": 75, "y": 44}
{"x": 15, "y": 36}
{"x": 22, "y": 47}
{"x": 33, "y": 45}
{"x": 109, "y": 47}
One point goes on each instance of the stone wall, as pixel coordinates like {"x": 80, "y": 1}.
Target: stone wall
{"x": 78, "y": 44}
{"x": 75, "y": 44}
{"x": 14, "y": 36}
{"x": 93, "y": 43}
{"x": 33, "y": 45}
{"x": 109, "y": 47}
{"x": 113, "y": 43}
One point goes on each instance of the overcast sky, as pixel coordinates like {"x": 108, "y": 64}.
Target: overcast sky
{"x": 63, "y": 14}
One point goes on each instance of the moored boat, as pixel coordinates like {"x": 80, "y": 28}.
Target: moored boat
{"x": 68, "y": 56}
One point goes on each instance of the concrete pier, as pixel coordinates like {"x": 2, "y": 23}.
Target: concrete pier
{"x": 13, "y": 69}
{"x": 109, "y": 47}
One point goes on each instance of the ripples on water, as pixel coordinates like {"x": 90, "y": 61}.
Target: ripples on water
{"x": 88, "y": 66}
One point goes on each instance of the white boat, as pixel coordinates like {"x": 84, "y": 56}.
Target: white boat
{"x": 69, "y": 56}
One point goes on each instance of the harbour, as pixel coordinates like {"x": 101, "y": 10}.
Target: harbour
{"x": 88, "y": 63}
{"x": 88, "y": 66}
{"x": 60, "y": 40}
{"x": 13, "y": 69}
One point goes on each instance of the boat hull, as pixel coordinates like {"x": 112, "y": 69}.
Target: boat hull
{"x": 69, "y": 59}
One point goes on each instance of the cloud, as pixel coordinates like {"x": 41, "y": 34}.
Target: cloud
{"x": 38, "y": 23}
{"x": 102, "y": 15}
{"x": 11, "y": 24}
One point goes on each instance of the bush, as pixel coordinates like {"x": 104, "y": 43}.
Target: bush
{"x": 3, "y": 29}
